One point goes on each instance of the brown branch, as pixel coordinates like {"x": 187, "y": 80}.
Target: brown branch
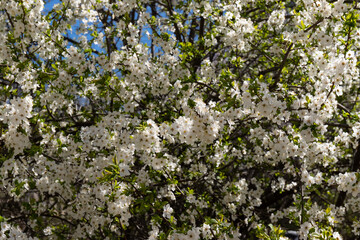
{"x": 355, "y": 166}
{"x": 282, "y": 65}
{"x": 314, "y": 25}
{"x": 179, "y": 36}
{"x": 9, "y": 17}
{"x": 78, "y": 43}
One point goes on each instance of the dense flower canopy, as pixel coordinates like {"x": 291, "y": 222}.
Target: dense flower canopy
{"x": 179, "y": 119}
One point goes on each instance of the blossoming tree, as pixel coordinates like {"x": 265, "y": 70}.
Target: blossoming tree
{"x": 179, "y": 119}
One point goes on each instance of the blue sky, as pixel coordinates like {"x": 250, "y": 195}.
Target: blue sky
{"x": 49, "y": 4}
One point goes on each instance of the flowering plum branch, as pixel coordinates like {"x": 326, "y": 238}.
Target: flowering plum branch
{"x": 179, "y": 119}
